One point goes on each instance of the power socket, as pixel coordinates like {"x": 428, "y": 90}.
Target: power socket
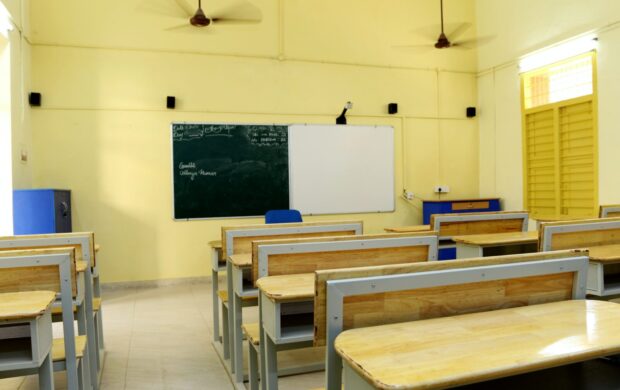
{"x": 408, "y": 195}
{"x": 442, "y": 189}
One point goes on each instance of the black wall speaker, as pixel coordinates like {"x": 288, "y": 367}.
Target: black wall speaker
{"x": 471, "y": 112}
{"x": 34, "y": 99}
{"x": 392, "y": 108}
{"x": 171, "y": 101}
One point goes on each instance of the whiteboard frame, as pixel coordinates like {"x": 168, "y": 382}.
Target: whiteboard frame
{"x": 172, "y": 166}
{"x": 393, "y": 177}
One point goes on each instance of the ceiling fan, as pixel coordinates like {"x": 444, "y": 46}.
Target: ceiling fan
{"x": 444, "y": 40}
{"x": 241, "y": 13}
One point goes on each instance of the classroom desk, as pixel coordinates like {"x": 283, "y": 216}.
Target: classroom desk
{"x": 28, "y": 312}
{"x": 604, "y": 270}
{"x": 286, "y": 321}
{"x": 495, "y": 244}
{"x": 459, "y": 350}
{"x": 408, "y": 229}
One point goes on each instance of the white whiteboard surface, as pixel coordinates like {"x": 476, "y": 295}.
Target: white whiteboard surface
{"x": 341, "y": 169}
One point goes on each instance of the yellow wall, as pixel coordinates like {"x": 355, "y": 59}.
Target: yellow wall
{"x": 103, "y": 130}
{"x": 20, "y": 85}
{"x": 515, "y": 34}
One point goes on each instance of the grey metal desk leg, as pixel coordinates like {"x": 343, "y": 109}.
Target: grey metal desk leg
{"x": 253, "y": 367}
{"x": 225, "y": 331}
{"x": 97, "y": 293}
{"x": 333, "y": 366}
{"x": 84, "y": 371}
{"x": 261, "y": 344}
{"x": 271, "y": 364}
{"x": 46, "y": 373}
{"x": 90, "y": 328}
{"x": 231, "y": 310}
{"x": 99, "y": 340}
{"x": 216, "y": 304}
{"x": 237, "y": 341}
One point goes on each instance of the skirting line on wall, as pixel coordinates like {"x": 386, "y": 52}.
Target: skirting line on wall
{"x": 155, "y": 283}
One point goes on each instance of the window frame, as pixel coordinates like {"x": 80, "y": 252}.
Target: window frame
{"x": 555, "y": 107}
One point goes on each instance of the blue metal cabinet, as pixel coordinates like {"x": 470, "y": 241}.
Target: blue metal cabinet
{"x": 430, "y": 207}
{"x": 447, "y": 250}
{"x": 41, "y": 211}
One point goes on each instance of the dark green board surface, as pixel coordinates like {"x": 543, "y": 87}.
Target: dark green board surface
{"x": 229, "y": 170}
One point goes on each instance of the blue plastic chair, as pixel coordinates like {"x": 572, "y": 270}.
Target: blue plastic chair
{"x": 283, "y": 216}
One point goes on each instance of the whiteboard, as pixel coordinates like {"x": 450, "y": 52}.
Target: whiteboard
{"x": 341, "y": 169}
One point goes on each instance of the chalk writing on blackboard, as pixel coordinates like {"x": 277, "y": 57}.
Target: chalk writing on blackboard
{"x": 228, "y": 170}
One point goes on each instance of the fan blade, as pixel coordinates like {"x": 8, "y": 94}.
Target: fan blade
{"x": 219, "y": 21}
{"x": 161, "y": 8}
{"x": 460, "y": 46}
{"x": 458, "y": 31}
{"x": 475, "y": 42}
{"x": 236, "y": 14}
{"x": 189, "y": 11}
{"x": 185, "y": 27}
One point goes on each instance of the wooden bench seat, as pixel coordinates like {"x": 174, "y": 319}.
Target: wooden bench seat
{"x": 58, "y": 348}
{"x": 223, "y": 294}
{"x": 57, "y": 310}
{"x": 252, "y": 332}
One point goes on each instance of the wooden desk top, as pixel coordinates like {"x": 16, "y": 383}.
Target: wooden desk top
{"x": 24, "y": 305}
{"x": 605, "y": 253}
{"x": 217, "y": 244}
{"x": 241, "y": 260}
{"x": 498, "y": 238}
{"x": 287, "y": 287}
{"x": 80, "y": 266}
{"x": 458, "y": 350}
{"x": 408, "y": 229}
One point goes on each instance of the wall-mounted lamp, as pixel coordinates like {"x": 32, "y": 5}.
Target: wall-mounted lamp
{"x": 558, "y": 52}
{"x": 342, "y": 119}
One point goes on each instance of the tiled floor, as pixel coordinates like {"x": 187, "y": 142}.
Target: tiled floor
{"x": 160, "y": 338}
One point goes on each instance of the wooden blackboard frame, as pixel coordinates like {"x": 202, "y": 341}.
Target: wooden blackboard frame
{"x": 172, "y": 166}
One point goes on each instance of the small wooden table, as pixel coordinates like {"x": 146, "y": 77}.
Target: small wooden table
{"x": 26, "y": 334}
{"x": 408, "y": 229}
{"x": 459, "y": 350}
{"x": 604, "y": 270}
{"x": 495, "y": 244}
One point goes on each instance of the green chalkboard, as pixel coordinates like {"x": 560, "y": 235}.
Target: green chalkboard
{"x": 229, "y": 170}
